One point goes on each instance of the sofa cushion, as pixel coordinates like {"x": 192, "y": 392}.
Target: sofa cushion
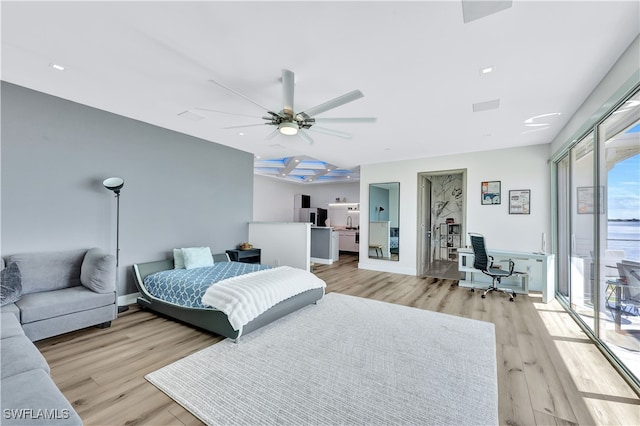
{"x": 48, "y": 271}
{"x": 9, "y": 325}
{"x": 98, "y": 271}
{"x": 11, "y": 309}
{"x": 31, "y": 398}
{"x": 10, "y": 284}
{"x": 19, "y": 355}
{"x": 50, "y": 304}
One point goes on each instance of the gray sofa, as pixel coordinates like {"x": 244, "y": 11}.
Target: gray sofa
{"x": 43, "y": 295}
{"x": 29, "y": 395}
{"x": 63, "y": 291}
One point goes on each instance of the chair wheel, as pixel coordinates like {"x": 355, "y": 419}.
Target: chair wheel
{"x": 511, "y": 299}
{"x": 473, "y": 290}
{"x": 484, "y": 296}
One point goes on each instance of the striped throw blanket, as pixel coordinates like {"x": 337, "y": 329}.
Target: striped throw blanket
{"x": 245, "y": 297}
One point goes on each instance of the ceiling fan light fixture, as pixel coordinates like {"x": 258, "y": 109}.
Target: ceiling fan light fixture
{"x": 288, "y": 128}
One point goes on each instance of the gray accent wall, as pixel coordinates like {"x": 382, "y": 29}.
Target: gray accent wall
{"x": 179, "y": 191}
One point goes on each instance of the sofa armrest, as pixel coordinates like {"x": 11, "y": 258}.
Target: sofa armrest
{"x": 98, "y": 271}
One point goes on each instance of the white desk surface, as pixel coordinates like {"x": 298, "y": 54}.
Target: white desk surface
{"x": 523, "y": 254}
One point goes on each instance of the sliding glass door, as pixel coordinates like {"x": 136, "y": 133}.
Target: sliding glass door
{"x": 563, "y": 254}
{"x": 582, "y": 290}
{"x": 598, "y": 233}
{"x": 619, "y": 233}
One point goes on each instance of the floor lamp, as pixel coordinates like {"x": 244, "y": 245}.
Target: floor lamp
{"x": 115, "y": 184}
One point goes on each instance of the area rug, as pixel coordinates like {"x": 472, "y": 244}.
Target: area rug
{"x": 346, "y": 360}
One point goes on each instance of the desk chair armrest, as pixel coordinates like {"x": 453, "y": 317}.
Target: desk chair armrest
{"x": 511, "y": 264}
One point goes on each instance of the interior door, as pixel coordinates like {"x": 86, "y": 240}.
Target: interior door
{"x": 425, "y": 224}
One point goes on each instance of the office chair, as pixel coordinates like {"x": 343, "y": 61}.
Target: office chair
{"x": 483, "y": 262}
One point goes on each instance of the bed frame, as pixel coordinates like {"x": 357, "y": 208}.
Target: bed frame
{"x": 212, "y": 319}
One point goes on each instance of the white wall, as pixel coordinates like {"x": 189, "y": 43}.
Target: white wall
{"x": 323, "y": 194}
{"x": 179, "y": 191}
{"x": 273, "y": 199}
{"x": 516, "y": 168}
{"x": 282, "y": 243}
{"x": 622, "y": 76}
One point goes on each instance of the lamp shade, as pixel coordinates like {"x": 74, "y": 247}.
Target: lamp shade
{"x": 288, "y": 128}
{"x": 114, "y": 184}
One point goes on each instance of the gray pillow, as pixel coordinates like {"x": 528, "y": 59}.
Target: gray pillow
{"x": 10, "y": 284}
{"x": 98, "y": 271}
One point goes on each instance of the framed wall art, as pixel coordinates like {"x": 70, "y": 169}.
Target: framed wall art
{"x": 520, "y": 201}
{"x": 490, "y": 192}
{"x": 586, "y": 199}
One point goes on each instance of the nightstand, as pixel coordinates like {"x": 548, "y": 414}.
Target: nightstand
{"x": 246, "y": 256}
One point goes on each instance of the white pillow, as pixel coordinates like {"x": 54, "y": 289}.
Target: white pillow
{"x": 197, "y": 257}
{"x": 178, "y": 259}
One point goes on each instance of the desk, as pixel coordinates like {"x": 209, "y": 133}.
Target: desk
{"x": 537, "y": 272}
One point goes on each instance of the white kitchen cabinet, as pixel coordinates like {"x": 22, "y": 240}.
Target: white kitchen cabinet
{"x": 349, "y": 240}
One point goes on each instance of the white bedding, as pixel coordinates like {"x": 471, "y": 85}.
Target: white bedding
{"x": 244, "y": 297}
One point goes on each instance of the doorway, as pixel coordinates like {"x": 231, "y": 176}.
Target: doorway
{"x": 441, "y": 222}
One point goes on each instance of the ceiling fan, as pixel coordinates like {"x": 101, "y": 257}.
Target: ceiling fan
{"x": 289, "y": 122}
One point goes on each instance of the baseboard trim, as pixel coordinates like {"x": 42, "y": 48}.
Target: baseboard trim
{"x": 128, "y": 299}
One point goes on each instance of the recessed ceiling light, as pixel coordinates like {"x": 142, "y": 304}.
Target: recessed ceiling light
{"x": 241, "y": 134}
{"x": 57, "y": 67}
{"x": 486, "y": 70}
{"x": 535, "y": 117}
{"x": 529, "y": 122}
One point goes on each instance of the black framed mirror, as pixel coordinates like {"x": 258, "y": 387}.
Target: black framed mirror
{"x": 384, "y": 221}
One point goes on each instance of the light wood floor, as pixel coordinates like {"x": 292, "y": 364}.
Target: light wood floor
{"x": 548, "y": 371}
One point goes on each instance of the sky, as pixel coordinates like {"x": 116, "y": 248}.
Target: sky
{"x": 623, "y": 189}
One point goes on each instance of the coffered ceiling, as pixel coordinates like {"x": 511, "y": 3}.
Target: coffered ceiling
{"x": 421, "y": 67}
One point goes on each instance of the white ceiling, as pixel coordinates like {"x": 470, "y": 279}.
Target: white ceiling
{"x": 417, "y": 63}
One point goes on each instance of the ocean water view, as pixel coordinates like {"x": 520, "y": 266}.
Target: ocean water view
{"x": 625, "y": 236}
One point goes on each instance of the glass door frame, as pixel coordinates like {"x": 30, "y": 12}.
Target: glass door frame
{"x": 593, "y": 331}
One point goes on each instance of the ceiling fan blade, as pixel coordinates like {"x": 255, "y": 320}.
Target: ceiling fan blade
{"x": 333, "y": 103}
{"x": 229, "y": 113}
{"x": 288, "y": 80}
{"x": 331, "y": 132}
{"x": 273, "y": 134}
{"x": 305, "y": 137}
{"x": 245, "y": 125}
{"x": 347, "y": 120}
{"x": 235, "y": 92}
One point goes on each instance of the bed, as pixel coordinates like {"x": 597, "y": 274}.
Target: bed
{"x": 394, "y": 243}
{"x": 189, "y": 308}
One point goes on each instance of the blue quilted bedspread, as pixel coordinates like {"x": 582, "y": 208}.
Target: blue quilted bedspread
{"x": 185, "y": 287}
